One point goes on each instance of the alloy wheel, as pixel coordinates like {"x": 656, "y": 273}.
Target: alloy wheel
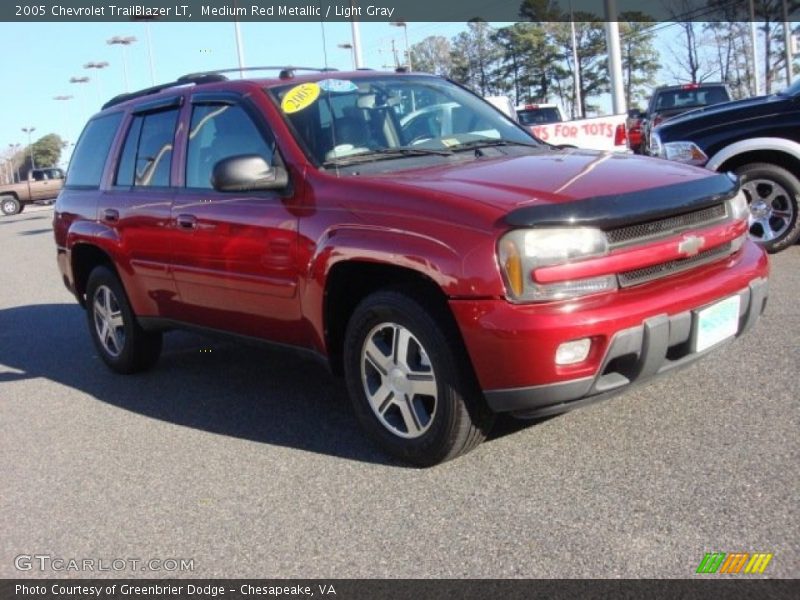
{"x": 108, "y": 321}
{"x": 399, "y": 380}
{"x": 771, "y": 209}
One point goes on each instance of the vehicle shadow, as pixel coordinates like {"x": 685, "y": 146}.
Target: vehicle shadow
{"x": 251, "y": 392}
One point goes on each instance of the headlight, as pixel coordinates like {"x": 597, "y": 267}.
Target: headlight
{"x": 685, "y": 152}
{"x": 523, "y": 251}
{"x": 655, "y": 145}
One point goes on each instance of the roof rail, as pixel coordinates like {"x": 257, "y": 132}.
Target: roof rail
{"x": 285, "y": 71}
{"x": 184, "y": 80}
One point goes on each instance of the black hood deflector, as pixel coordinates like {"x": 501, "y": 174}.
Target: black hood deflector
{"x": 610, "y": 212}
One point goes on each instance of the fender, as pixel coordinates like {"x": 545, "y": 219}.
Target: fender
{"x": 105, "y": 238}
{"x": 750, "y": 145}
{"x": 454, "y": 272}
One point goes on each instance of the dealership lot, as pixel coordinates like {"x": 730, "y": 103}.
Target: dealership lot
{"x": 249, "y": 462}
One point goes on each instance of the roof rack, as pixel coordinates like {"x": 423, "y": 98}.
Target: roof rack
{"x": 195, "y": 79}
{"x": 285, "y": 71}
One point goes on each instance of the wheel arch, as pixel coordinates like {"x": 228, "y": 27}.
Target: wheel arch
{"x": 776, "y": 151}
{"x": 84, "y": 257}
{"x": 349, "y": 282}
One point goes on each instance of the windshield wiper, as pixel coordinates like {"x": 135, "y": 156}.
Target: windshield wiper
{"x": 383, "y": 154}
{"x": 488, "y": 143}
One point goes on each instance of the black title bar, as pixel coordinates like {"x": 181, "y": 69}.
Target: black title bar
{"x": 396, "y": 10}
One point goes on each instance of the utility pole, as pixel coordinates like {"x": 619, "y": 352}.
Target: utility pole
{"x": 356, "y": 38}
{"x": 577, "y": 111}
{"x": 754, "y": 49}
{"x": 787, "y": 43}
{"x": 614, "y": 58}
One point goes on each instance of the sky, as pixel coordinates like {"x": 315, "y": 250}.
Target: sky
{"x": 40, "y": 58}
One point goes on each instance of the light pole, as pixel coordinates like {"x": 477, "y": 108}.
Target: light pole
{"x": 29, "y": 131}
{"x": 404, "y": 25}
{"x": 99, "y": 66}
{"x": 124, "y": 41}
{"x": 80, "y": 80}
{"x": 348, "y": 46}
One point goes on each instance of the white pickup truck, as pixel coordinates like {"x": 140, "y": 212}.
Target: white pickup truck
{"x": 546, "y": 121}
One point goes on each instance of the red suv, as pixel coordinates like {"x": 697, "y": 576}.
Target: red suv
{"x": 447, "y": 263}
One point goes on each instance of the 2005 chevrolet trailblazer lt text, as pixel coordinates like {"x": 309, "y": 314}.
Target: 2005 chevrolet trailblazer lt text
{"x": 450, "y": 265}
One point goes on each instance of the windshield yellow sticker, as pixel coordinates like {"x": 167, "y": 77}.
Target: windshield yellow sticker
{"x": 299, "y": 97}
{"x": 449, "y": 142}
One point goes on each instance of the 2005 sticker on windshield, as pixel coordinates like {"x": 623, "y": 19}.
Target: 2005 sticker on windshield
{"x": 300, "y": 97}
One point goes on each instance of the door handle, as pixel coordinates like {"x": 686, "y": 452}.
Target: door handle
{"x": 111, "y": 215}
{"x": 186, "y": 221}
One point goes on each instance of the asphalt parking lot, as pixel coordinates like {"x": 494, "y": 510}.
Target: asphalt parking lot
{"x": 249, "y": 462}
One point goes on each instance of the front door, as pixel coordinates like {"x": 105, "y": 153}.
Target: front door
{"x": 234, "y": 252}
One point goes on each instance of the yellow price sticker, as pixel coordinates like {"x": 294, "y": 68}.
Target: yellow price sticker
{"x": 299, "y": 97}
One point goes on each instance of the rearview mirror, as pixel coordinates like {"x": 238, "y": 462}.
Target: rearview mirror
{"x": 247, "y": 173}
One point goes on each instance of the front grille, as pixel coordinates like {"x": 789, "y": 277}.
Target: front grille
{"x": 646, "y": 274}
{"x": 645, "y": 231}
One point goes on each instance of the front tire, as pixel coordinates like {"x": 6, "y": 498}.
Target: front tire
{"x": 772, "y": 193}
{"x": 9, "y": 205}
{"x": 409, "y": 380}
{"x": 121, "y": 342}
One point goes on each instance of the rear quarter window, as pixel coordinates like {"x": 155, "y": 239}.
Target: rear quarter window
{"x": 89, "y": 158}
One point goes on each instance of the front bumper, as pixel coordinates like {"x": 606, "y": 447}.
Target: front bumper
{"x": 636, "y": 333}
{"x": 660, "y": 344}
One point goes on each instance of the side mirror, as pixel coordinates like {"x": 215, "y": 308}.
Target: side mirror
{"x": 247, "y": 173}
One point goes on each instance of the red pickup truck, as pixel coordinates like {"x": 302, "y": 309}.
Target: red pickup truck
{"x": 447, "y": 263}
{"x": 41, "y": 184}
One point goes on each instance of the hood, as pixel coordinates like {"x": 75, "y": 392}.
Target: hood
{"x": 509, "y": 183}
{"x": 756, "y": 104}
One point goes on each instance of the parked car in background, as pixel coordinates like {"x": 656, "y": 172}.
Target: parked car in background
{"x": 40, "y": 184}
{"x": 756, "y": 138}
{"x": 433, "y": 252}
{"x": 672, "y": 100}
{"x": 633, "y": 126}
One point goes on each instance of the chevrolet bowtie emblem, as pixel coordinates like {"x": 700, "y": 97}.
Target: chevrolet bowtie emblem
{"x": 691, "y": 245}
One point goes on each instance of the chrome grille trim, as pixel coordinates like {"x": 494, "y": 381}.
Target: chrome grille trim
{"x": 645, "y": 232}
{"x": 638, "y": 276}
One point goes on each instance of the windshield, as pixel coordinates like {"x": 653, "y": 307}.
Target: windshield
{"x": 375, "y": 118}
{"x": 675, "y": 99}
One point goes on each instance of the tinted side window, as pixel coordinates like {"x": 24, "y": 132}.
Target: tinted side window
{"x": 147, "y": 155}
{"x": 89, "y": 158}
{"x": 217, "y": 132}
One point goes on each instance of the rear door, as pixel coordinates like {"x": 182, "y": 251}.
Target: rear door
{"x": 234, "y": 253}
{"x": 138, "y": 205}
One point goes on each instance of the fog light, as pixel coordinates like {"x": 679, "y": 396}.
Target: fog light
{"x": 573, "y": 352}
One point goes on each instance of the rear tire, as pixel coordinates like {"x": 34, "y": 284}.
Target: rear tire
{"x": 9, "y": 205}
{"x": 772, "y": 193}
{"x": 121, "y": 342}
{"x": 410, "y": 381}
